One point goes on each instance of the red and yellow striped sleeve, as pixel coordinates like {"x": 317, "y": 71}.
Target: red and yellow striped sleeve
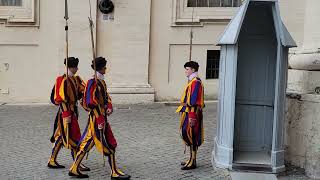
{"x": 109, "y": 104}
{"x": 61, "y": 96}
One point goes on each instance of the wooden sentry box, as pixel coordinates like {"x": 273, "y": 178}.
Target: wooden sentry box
{"x": 253, "y": 79}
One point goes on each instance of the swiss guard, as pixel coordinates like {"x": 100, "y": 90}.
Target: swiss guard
{"x": 190, "y": 109}
{"x": 98, "y": 131}
{"x": 66, "y": 93}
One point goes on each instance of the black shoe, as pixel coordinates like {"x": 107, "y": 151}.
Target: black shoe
{"x": 121, "y": 177}
{"x": 83, "y": 168}
{"x": 183, "y": 163}
{"x": 79, "y": 175}
{"x": 57, "y": 166}
{"x": 193, "y": 166}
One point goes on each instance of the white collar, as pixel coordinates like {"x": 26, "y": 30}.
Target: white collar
{"x": 193, "y": 75}
{"x": 100, "y": 76}
{"x": 70, "y": 74}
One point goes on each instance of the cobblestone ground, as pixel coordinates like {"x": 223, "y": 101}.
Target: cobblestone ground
{"x": 149, "y": 145}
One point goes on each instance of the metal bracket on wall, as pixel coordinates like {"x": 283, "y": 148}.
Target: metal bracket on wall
{"x": 4, "y": 90}
{"x": 6, "y": 66}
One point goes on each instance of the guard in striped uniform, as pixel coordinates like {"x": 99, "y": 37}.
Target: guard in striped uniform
{"x": 190, "y": 109}
{"x": 98, "y": 131}
{"x": 65, "y": 94}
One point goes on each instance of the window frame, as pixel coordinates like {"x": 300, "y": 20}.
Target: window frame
{"x": 213, "y": 6}
{"x": 13, "y": 5}
{"x": 215, "y": 70}
{"x": 182, "y": 14}
{"x": 19, "y": 14}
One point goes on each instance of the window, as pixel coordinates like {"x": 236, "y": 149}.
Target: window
{"x": 10, "y": 2}
{"x": 214, "y": 3}
{"x": 213, "y": 60}
{"x": 203, "y": 11}
{"x": 19, "y": 12}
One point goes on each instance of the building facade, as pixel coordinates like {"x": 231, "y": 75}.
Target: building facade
{"x": 145, "y": 41}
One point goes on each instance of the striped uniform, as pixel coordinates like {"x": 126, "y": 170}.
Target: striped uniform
{"x": 97, "y": 100}
{"x": 65, "y": 94}
{"x": 191, "y": 105}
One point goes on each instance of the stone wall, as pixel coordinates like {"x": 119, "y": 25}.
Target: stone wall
{"x": 302, "y": 135}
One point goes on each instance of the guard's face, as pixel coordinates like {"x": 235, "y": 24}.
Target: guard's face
{"x": 189, "y": 71}
{"x": 103, "y": 70}
{"x": 73, "y": 70}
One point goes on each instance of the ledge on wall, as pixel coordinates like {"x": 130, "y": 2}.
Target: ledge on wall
{"x": 132, "y": 94}
{"x": 303, "y": 81}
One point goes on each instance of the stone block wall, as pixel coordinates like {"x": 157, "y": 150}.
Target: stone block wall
{"x": 302, "y": 133}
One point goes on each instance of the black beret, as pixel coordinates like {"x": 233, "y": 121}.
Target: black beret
{"x": 100, "y": 63}
{"x": 192, "y": 64}
{"x": 72, "y": 62}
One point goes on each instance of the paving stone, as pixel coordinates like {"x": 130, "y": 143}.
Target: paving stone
{"x": 149, "y": 144}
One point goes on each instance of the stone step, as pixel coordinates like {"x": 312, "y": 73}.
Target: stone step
{"x": 252, "y": 176}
